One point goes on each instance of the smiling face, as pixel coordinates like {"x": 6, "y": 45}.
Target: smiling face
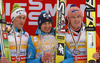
{"x": 19, "y": 21}
{"x": 46, "y": 27}
{"x": 76, "y": 22}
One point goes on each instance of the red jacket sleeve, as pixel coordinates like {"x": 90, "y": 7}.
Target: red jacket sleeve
{"x": 97, "y": 42}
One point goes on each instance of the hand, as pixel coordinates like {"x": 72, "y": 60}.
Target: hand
{"x": 47, "y": 57}
{"x": 4, "y": 60}
{"x": 8, "y": 28}
{"x": 96, "y": 56}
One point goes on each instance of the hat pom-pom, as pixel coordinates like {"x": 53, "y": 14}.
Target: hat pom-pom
{"x": 16, "y": 6}
{"x": 43, "y": 12}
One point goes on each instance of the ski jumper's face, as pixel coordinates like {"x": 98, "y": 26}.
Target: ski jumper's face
{"x": 46, "y": 27}
{"x": 19, "y": 21}
{"x": 75, "y": 22}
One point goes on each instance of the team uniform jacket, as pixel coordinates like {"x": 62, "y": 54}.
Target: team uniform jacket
{"x": 82, "y": 56}
{"x": 34, "y": 54}
{"x": 24, "y": 41}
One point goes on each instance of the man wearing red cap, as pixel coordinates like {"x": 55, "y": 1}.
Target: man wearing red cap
{"x": 76, "y": 36}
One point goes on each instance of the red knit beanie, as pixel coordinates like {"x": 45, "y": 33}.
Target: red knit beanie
{"x": 74, "y": 10}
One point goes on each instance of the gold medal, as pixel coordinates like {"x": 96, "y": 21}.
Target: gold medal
{"x": 76, "y": 51}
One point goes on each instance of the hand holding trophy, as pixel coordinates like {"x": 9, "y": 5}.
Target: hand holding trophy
{"x": 48, "y": 45}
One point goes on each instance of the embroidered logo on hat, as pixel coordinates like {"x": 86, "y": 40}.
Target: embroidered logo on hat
{"x": 20, "y": 13}
{"x": 46, "y": 15}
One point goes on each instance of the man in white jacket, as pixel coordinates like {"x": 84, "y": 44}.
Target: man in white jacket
{"x": 17, "y": 37}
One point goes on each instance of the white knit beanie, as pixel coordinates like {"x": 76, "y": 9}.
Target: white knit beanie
{"x": 16, "y": 11}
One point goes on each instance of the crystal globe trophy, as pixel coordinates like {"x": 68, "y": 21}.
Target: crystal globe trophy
{"x": 48, "y": 43}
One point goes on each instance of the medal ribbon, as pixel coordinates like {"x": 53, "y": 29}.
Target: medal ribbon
{"x": 17, "y": 49}
{"x": 76, "y": 43}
